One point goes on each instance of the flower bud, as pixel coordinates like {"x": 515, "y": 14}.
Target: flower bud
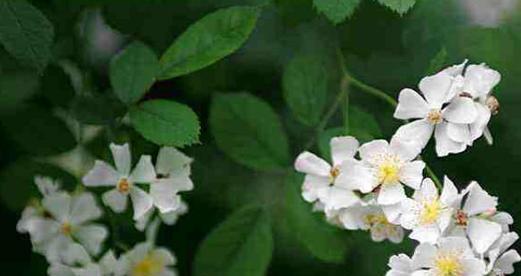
{"x": 492, "y": 104}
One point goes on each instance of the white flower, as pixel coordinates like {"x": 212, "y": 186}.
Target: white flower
{"x": 69, "y": 220}
{"x": 383, "y": 169}
{"x": 427, "y": 214}
{"x": 450, "y": 256}
{"x": 123, "y": 180}
{"x": 322, "y": 181}
{"x": 173, "y": 176}
{"x": 77, "y": 262}
{"x": 401, "y": 265}
{"x": 435, "y": 113}
{"x": 501, "y": 259}
{"x": 168, "y": 218}
{"x": 372, "y": 218}
{"x": 46, "y": 185}
{"x": 146, "y": 260}
{"x": 474, "y": 218}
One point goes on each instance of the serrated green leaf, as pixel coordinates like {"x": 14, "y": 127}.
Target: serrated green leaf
{"x": 37, "y": 131}
{"x": 133, "y": 71}
{"x": 249, "y": 131}
{"x": 336, "y": 10}
{"x": 26, "y": 33}
{"x": 312, "y": 231}
{"x": 240, "y": 246}
{"x": 208, "y": 40}
{"x": 166, "y": 122}
{"x": 305, "y": 83}
{"x": 437, "y": 62}
{"x": 399, "y": 6}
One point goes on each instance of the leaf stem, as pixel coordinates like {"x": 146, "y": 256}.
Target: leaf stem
{"x": 371, "y": 90}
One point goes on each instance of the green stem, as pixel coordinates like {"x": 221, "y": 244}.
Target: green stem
{"x": 371, "y": 90}
{"x": 433, "y": 176}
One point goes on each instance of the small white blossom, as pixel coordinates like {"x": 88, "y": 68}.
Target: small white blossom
{"x": 428, "y": 214}
{"x": 123, "y": 180}
{"x": 146, "y": 260}
{"x": 323, "y": 182}
{"x": 401, "y": 265}
{"x": 168, "y": 218}
{"x": 450, "y": 256}
{"x": 501, "y": 258}
{"x": 77, "y": 262}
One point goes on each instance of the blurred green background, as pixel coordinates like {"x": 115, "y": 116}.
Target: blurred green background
{"x": 382, "y": 49}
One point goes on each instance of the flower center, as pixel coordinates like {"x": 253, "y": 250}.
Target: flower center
{"x": 434, "y": 117}
{"x": 148, "y": 266}
{"x": 333, "y": 174}
{"x": 461, "y": 218}
{"x": 374, "y": 219}
{"x": 388, "y": 172}
{"x": 448, "y": 265}
{"x": 123, "y": 185}
{"x": 66, "y": 228}
{"x": 431, "y": 211}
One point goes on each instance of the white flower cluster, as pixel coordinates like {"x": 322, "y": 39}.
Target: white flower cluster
{"x": 62, "y": 226}
{"x": 459, "y": 233}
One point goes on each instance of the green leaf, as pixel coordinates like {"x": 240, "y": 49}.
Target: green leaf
{"x": 249, "y": 131}
{"x": 26, "y": 33}
{"x": 97, "y": 109}
{"x": 399, "y": 6}
{"x": 56, "y": 86}
{"x": 16, "y": 88}
{"x": 363, "y": 125}
{"x": 240, "y": 246}
{"x": 166, "y": 122}
{"x": 336, "y": 10}
{"x": 38, "y": 131}
{"x": 437, "y": 62}
{"x": 133, "y": 71}
{"x": 305, "y": 83}
{"x": 208, "y": 40}
{"x": 311, "y": 230}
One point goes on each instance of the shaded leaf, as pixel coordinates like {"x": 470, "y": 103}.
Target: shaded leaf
{"x": 336, "y": 10}
{"x": 26, "y": 33}
{"x": 56, "y": 86}
{"x": 133, "y": 71}
{"x": 166, "y": 122}
{"x": 208, "y": 40}
{"x": 96, "y": 109}
{"x": 240, "y": 246}
{"x": 249, "y": 131}
{"x": 399, "y": 6}
{"x": 437, "y": 62}
{"x": 16, "y": 87}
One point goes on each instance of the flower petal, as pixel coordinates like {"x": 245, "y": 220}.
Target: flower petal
{"x": 472, "y": 267}
{"x": 461, "y": 110}
{"x": 435, "y": 89}
{"x": 171, "y": 161}
{"x": 58, "y": 205}
{"x": 449, "y": 193}
{"x": 459, "y": 133}
{"x": 92, "y": 236}
{"x": 427, "y": 191}
{"x": 309, "y": 163}
{"x": 338, "y": 198}
{"x": 122, "y": 159}
{"x": 480, "y": 124}
{"x": 84, "y": 208}
{"x": 445, "y": 145}
{"x": 355, "y": 175}
{"x": 141, "y": 201}
{"x": 478, "y": 200}
{"x": 370, "y": 151}
{"x": 506, "y": 262}
{"x": 116, "y": 200}
{"x": 392, "y": 212}
{"x": 343, "y": 148}
{"x": 102, "y": 174}
{"x": 391, "y": 194}
{"x": 410, "y": 105}
{"x": 411, "y": 173}
{"x": 426, "y": 234}
{"x": 314, "y": 187}
{"x": 483, "y": 233}
{"x": 144, "y": 171}
{"x": 456, "y": 244}
{"x": 479, "y": 80}
{"x": 415, "y": 135}
{"x": 424, "y": 255}
{"x": 163, "y": 196}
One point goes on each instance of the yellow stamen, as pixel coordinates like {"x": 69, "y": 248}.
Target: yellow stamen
{"x": 448, "y": 265}
{"x": 431, "y": 212}
{"x": 123, "y": 185}
{"x": 434, "y": 117}
{"x": 148, "y": 266}
{"x": 66, "y": 228}
{"x": 388, "y": 172}
{"x": 373, "y": 219}
{"x": 333, "y": 174}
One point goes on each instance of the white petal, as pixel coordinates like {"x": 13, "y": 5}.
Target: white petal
{"x": 46, "y": 185}
{"x": 84, "y": 208}
{"x": 426, "y": 234}
{"x": 356, "y": 176}
{"x": 378, "y": 232}
{"x": 404, "y": 149}
{"x": 435, "y": 88}
{"x": 309, "y": 163}
{"x": 482, "y": 233}
{"x": 170, "y": 161}
{"x": 122, "y": 159}
{"x": 394, "y": 233}
{"x": 507, "y": 260}
{"x": 427, "y": 191}
{"x": 472, "y": 267}
{"x": 343, "y": 148}
{"x": 166, "y": 257}
{"x": 410, "y": 105}
{"x": 350, "y": 218}
{"x": 400, "y": 262}
{"x": 372, "y": 150}
{"x": 456, "y": 244}
{"x": 42, "y": 229}
{"x": 478, "y": 200}
{"x": 108, "y": 263}
{"x": 445, "y": 145}
{"x": 392, "y": 212}
{"x": 141, "y": 201}
{"x": 181, "y": 182}
{"x": 115, "y": 200}
{"x": 164, "y": 197}
{"x": 338, "y": 198}
{"x": 411, "y": 211}
{"x": 478, "y": 127}
{"x": 424, "y": 255}
{"x": 415, "y": 134}
{"x": 314, "y": 187}
{"x": 459, "y": 133}
{"x": 144, "y": 171}
{"x": 411, "y": 173}
{"x": 461, "y": 110}
{"x": 391, "y": 194}
{"x": 101, "y": 175}
{"x": 449, "y": 194}
{"x": 455, "y": 70}
{"x": 59, "y": 205}
{"x": 75, "y": 254}
{"x": 488, "y": 136}
{"x": 479, "y": 80}
{"x": 92, "y": 237}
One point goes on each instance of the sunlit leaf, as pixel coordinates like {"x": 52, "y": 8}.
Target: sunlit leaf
{"x": 399, "y": 6}
{"x": 336, "y": 10}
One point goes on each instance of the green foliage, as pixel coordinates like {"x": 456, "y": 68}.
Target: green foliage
{"x": 166, "y": 122}
{"x": 311, "y": 230}
{"x": 399, "y": 6}
{"x": 37, "y": 131}
{"x": 26, "y": 33}
{"x": 305, "y": 83}
{"x": 249, "y": 131}
{"x": 240, "y": 246}
{"x": 437, "y": 62}
{"x": 208, "y": 40}
{"x": 56, "y": 86}
{"x": 336, "y": 10}
{"x": 96, "y": 109}
{"x": 16, "y": 88}
{"x": 133, "y": 71}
